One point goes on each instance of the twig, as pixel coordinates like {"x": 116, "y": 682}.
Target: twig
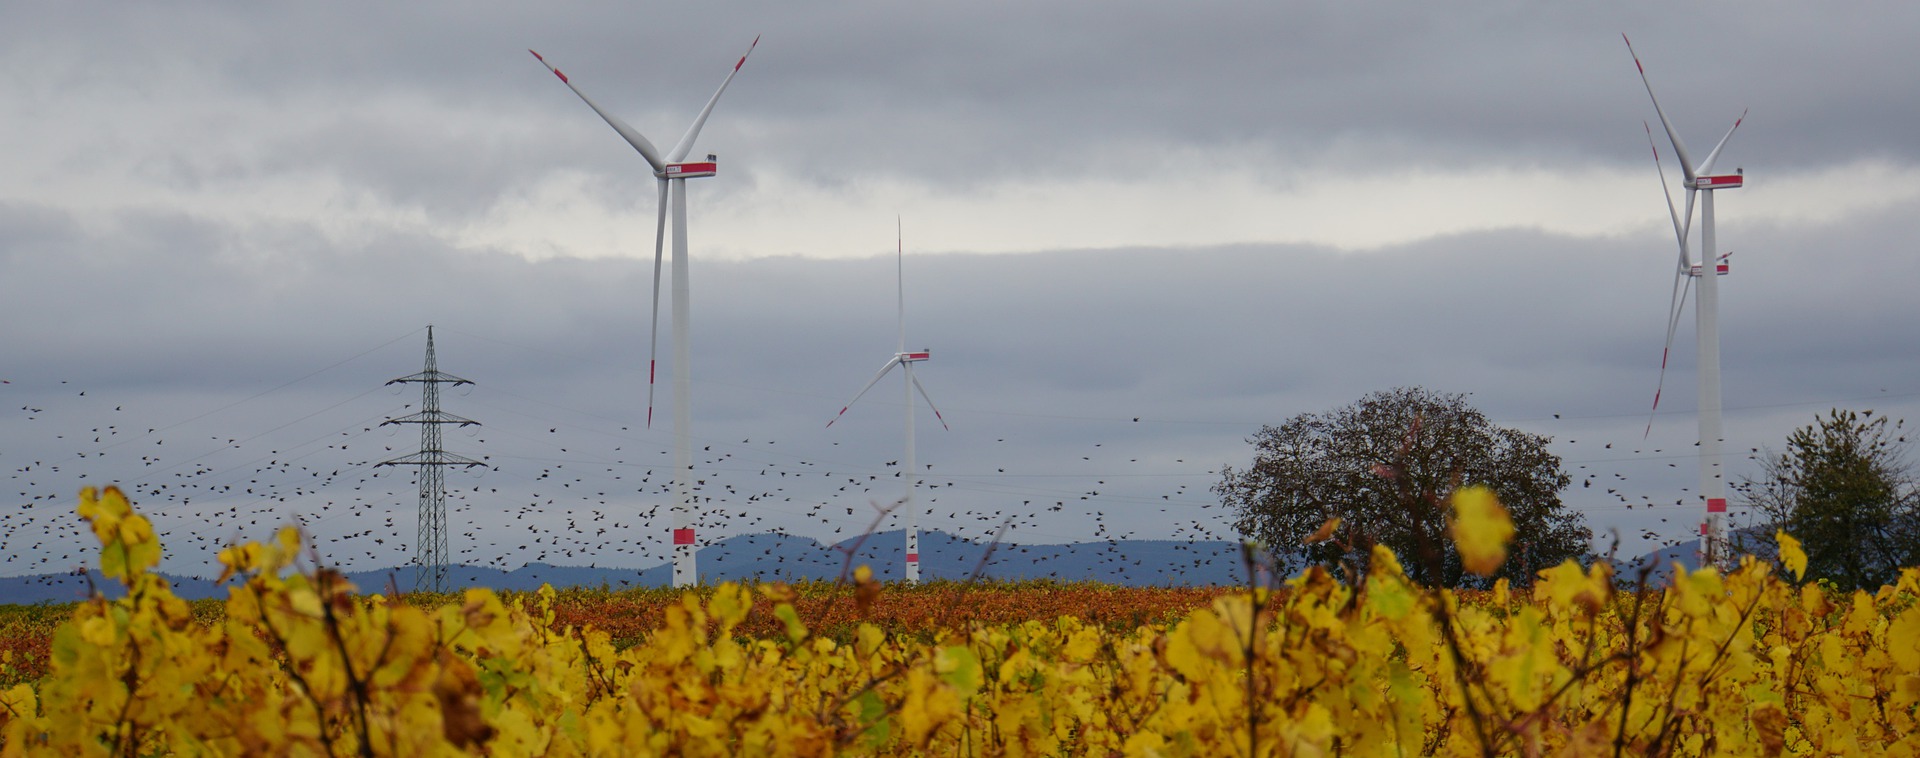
{"x": 847, "y": 566}
{"x": 991, "y": 546}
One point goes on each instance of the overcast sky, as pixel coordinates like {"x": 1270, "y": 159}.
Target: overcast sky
{"x": 1134, "y": 233}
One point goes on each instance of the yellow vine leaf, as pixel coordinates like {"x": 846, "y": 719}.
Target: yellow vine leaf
{"x": 128, "y": 547}
{"x": 1565, "y": 587}
{"x": 1481, "y": 529}
{"x": 1385, "y": 562}
{"x": 1324, "y": 533}
{"x": 1791, "y": 554}
{"x": 1903, "y": 641}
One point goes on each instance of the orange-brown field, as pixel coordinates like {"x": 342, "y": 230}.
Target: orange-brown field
{"x": 830, "y": 609}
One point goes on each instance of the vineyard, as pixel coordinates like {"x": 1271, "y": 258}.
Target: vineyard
{"x": 295, "y": 661}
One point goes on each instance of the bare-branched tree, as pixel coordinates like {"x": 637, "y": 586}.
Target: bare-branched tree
{"x": 1385, "y": 466}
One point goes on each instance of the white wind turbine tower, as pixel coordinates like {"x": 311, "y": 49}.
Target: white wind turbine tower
{"x": 672, "y": 170}
{"x": 1698, "y": 179}
{"x": 905, "y": 361}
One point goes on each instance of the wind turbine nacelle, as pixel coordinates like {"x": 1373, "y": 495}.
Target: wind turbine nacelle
{"x": 1723, "y": 181}
{"x": 1720, "y": 269}
{"x": 692, "y": 170}
{"x": 914, "y": 356}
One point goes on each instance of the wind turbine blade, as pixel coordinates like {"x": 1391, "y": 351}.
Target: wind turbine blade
{"x": 929, "y": 399}
{"x": 633, "y": 136}
{"x": 659, "y": 248}
{"x": 900, "y": 279}
{"x": 1677, "y": 303}
{"x": 1679, "y": 232}
{"x": 1675, "y": 307}
{"x": 1679, "y": 148}
{"x": 895, "y": 361}
{"x": 1686, "y": 228}
{"x": 685, "y": 145}
{"x": 1706, "y": 167}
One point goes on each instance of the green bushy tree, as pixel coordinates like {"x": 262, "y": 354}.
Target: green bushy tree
{"x": 1843, "y": 488}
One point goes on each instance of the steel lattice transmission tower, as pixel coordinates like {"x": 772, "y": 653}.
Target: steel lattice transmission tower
{"x": 430, "y": 548}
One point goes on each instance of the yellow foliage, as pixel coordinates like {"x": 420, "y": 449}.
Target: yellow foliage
{"x": 1740, "y": 663}
{"x": 1481, "y": 529}
{"x": 1791, "y": 554}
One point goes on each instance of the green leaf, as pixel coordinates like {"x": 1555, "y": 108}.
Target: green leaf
{"x": 959, "y": 668}
{"x": 1389, "y": 599}
{"x": 796, "y": 630}
{"x": 873, "y": 711}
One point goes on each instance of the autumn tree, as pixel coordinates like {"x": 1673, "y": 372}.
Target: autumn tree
{"x": 1384, "y": 467}
{"x": 1843, "y": 488}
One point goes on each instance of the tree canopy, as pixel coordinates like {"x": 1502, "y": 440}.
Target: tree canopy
{"x": 1844, "y": 489}
{"x": 1384, "y": 466}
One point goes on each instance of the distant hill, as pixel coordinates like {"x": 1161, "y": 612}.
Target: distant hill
{"x": 1140, "y": 563}
{"x": 1756, "y": 541}
{"x": 1135, "y": 563}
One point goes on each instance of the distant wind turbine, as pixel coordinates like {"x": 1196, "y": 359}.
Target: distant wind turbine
{"x": 672, "y": 170}
{"x": 905, "y": 361}
{"x": 1698, "y": 178}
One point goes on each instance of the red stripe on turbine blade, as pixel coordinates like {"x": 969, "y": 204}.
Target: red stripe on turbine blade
{"x": 913, "y": 557}
{"x": 537, "y": 54}
{"x": 743, "y": 58}
{"x": 563, "y": 77}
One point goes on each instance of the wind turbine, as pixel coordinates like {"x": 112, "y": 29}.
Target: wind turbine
{"x": 1698, "y": 178}
{"x": 905, "y": 361}
{"x": 672, "y": 170}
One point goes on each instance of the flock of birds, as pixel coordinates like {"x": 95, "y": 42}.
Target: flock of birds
{"x": 566, "y": 487}
{"x": 557, "y": 492}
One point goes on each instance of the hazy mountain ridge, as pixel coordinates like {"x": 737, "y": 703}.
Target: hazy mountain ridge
{"x": 769, "y": 556}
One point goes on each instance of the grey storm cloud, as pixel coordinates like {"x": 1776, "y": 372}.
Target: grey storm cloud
{"x": 233, "y": 359}
{"x": 437, "y": 105}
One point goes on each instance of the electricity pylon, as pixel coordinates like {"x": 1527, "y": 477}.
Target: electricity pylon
{"x": 430, "y": 548}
